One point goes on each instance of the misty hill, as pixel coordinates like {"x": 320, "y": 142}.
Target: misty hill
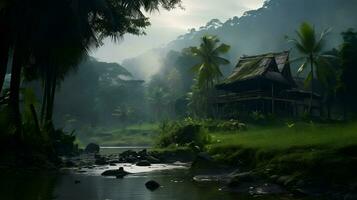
{"x": 95, "y": 93}
{"x": 258, "y": 31}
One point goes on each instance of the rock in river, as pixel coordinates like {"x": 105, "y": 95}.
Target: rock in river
{"x": 204, "y": 164}
{"x": 119, "y": 173}
{"x": 153, "y": 159}
{"x": 143, "y": 153}
{"x": 92, "y": 148}
{"x": 128, "y": 153}
{"x": 143, "y": 163}
{"x": 266, "y": 189}
{"x": 239, "y": 178}
{"x": 152, "y": 185}
{"x": 101, "y": 160}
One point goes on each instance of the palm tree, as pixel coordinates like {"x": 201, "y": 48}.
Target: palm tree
{"x": 52, "y": 36}
{"x": 311, "y": 45}
{"x": 208, "y": 69}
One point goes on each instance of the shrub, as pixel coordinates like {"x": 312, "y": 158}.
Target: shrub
{"x": 182, "y": 133}
{"x": 218, "y": 125}
{"x": 257, "y": 116}
{"x": 231, "y": 125}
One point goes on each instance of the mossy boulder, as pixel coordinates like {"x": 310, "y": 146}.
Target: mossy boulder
{"x": 92, "y": 148}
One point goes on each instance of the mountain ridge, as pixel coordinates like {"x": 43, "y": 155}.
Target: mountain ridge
{"x": 259, "y": 31}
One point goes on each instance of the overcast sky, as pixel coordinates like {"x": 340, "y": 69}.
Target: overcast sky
{"x": 167, "y": 25}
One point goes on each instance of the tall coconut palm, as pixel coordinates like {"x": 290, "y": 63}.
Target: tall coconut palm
{"x": 209, "y": 53}
{"x": 208, "y": 69}
{"x": 310, "y": 44}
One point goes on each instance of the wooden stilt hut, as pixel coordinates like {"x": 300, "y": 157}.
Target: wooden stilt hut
{"x": 262, "y": 83}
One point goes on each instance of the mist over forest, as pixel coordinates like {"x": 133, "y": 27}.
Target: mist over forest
{"x": 259, "y": 106}
{"x": 166, "y": 71}
{"x": 257, "y": 31}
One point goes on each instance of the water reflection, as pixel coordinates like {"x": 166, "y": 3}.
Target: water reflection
{"x": 87, "y": 184}
{"x": 27, "y": 187}
{"x": 176, "y": 185}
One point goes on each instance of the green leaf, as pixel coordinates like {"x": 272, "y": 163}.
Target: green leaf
{"x": 302, "y": 67}
{"x": 196, "y": 68}
{"x": 195, "y": 51}
{"x": 307, "y": 36}
{"x": 223, "y": 48}
{"x": 321, "y": 42}
{"x": 221, "y": 61}
{"x": 308, "y": 80}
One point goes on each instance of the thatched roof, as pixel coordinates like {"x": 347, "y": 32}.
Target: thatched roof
{"x": 272, "y": 67}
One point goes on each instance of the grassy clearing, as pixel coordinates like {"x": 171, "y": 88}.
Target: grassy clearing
{"x": 321, "y": 151}
{"x": 282, "y": 138}
{"x": 133, "y": 135}
{"x": 144, "y": 126}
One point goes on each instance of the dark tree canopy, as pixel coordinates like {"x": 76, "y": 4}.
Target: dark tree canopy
{"x": 349, "y": 68}
{"x": 47, "y": 39}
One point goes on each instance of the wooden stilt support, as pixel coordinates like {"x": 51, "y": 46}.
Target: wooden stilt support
{"x": 272, "y": 99}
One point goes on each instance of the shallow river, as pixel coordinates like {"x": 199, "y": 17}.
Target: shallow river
{"x": 89, "y": 185}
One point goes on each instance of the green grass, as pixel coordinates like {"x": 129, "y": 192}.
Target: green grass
{"x": 280, "y": 138}
{"x": 125, "y": 140}
{"x": 322, "y": 151}
{"x": 144, "y": 126}
{"x": 132, "y": 135}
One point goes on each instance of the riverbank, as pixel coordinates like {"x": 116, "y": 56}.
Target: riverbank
{"x": 144, "y": 134}
{"x": 304, "y": 158}
{"x": 321, "y": 151}
{"x": 311, "y": 158}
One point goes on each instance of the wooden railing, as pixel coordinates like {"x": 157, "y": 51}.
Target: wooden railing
{"x": 264, "y": 95}
{"x": 231, "y": 97}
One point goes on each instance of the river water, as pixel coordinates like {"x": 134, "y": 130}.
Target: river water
{"x": 87, "y": 184}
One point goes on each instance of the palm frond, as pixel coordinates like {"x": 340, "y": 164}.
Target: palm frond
{"x": 308, "y": 80}
{"x": 296, "y": 59}
{"x": 302, "y": 67}
{"x": 223, "y": 48}
{"x": 321, "y": 42}
{"x": 220, "y": 60}
{"x": 307, "y": 36}
{"x": 196, "y": 68}
{"x": 298, "y": 45}
{"x": 195, "y": 51}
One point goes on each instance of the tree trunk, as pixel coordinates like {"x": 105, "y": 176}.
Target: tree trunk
{"x": 344, "y": 102}
{"x": 272, "y": 99}
{"x": 5, "y": 53}
{"x": 312, "y": 83}
{"x": 35, "y": 118}
{"x": 15, "y": 89}
{"x": 51, "y": 97}
{"x": 44, "y": 100}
